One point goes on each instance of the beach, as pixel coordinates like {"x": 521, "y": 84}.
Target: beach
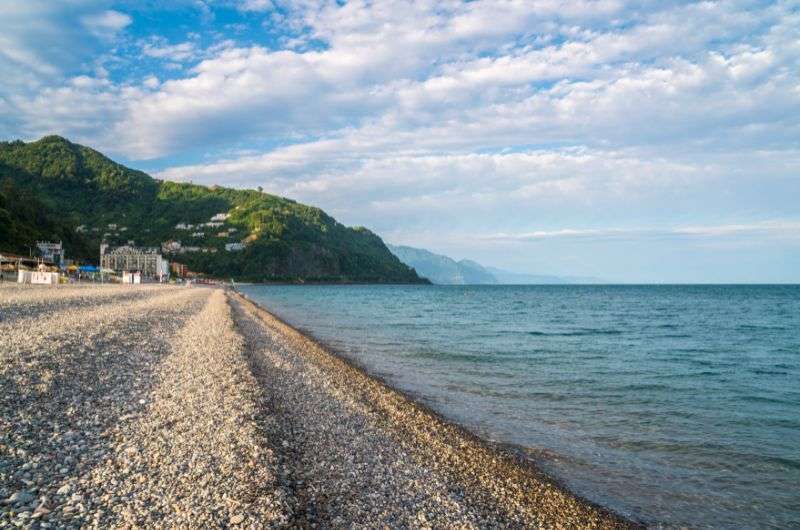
{"x": 160, "y": 406}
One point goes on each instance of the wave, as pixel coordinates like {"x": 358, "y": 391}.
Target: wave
{"x": 575, "y": 333}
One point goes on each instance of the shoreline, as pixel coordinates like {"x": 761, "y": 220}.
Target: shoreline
{"x": 162, "y": 406}
{"x": 514, "y": 464}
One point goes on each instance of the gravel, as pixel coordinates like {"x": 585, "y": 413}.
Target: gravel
{"x": 359, "y": 454}
{"x": 156, "y": 407}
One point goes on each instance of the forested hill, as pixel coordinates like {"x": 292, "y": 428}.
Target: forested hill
{"x": 54, "y": 189}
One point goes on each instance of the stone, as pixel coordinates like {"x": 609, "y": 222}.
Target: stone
{"x": 20, "y": 497}
{"x": 237, "y": 519}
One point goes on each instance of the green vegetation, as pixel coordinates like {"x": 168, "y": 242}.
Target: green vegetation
{"x": 54, "y": 189}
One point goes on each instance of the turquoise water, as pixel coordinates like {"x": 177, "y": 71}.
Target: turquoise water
{"x": 676, "y": 405}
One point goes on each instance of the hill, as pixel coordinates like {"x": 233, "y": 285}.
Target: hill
{"x": 441, "y": 269}
{"x": 446, "y": 271}
{"x": 54, "y": 189}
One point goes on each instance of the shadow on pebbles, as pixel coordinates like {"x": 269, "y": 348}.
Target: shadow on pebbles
{"x": 165, "y": 407}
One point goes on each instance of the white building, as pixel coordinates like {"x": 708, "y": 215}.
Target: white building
{"x": 148, "y": 261}
{"x": 221, "y": 217}
{"x": 170, "y": 247}
{"x": 232, "y": 247}
{"x": 52, "y": 252}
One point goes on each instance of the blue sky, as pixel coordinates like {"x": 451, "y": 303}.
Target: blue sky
{"x": 635, "y": 141}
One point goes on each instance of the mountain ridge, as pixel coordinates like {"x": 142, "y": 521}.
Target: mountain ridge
{"x": 443, "y": 270}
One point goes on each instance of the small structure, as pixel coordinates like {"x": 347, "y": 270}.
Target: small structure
{"x": 52, "y": 252}
{"x": 179, "y": 269}
{"x": 233, "y": 247}
{"x": 170, "y": 247}
{"x": 133, "y": 277}
{"x": 214, "y": 224}
{"x": 221, "y": 217}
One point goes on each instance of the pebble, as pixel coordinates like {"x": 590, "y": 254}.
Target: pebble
{"x": 247, "y": 422}
{"x": 20, "y": 497}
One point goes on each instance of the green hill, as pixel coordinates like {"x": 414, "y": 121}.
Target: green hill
{"x": 54, "y": 189}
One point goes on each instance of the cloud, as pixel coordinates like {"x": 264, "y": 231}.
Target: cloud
{"x": 256, "y": 5}
{"x": 106, "y": 24}
{"x": 773, "y": 229}
{"x": 180, "y": 52}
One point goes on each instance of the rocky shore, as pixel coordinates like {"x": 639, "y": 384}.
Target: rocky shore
{"x": 160, "y": 407}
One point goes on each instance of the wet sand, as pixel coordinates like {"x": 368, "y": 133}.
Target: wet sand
{"x": 140, "y": 406}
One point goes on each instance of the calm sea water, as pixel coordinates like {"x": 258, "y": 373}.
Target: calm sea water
{"x": 677, "y": 405}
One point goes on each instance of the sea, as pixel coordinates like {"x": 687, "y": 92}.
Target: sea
{"x": 674, "y": 405}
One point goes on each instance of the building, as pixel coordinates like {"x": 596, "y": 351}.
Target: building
{"x": 230, "y": 247}
{"x": 220, "y": 217}
{"x": 52, "y": 252}
{"x": 126, "y": 258}
{"x": 179, "y": 269}
{"x": 170, "y": 247}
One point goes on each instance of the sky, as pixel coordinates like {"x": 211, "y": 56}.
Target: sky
{"x": 634, "y": 141}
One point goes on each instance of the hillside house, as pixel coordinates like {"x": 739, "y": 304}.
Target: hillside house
{"x": 233, "y": 247}
{"x": 169, "y": 247}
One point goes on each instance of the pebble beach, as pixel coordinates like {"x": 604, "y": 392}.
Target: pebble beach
{"x": 174, "y": 407}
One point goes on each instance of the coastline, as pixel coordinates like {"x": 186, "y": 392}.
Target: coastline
{"x": 161, "y": 406}
{"x": 489, "y": 461}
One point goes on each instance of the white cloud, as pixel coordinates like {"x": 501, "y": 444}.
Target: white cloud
{"x": 256, "y": 5}
{"x": 107, "y": 23}
{"x": 180, "y": 52}
{"x": 771, "y": 228}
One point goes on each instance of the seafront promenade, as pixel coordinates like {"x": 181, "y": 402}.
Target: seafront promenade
{"x": 158, "y": 406}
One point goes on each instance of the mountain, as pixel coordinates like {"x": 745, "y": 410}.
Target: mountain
{"x": 441, "y": 269}
{"x": 446, "y": 271}
{"x": 55, "y": 189}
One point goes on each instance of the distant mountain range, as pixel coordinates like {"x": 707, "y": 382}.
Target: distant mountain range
{"x": 443, "y": 270}
{"x": 57, "y": 190}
